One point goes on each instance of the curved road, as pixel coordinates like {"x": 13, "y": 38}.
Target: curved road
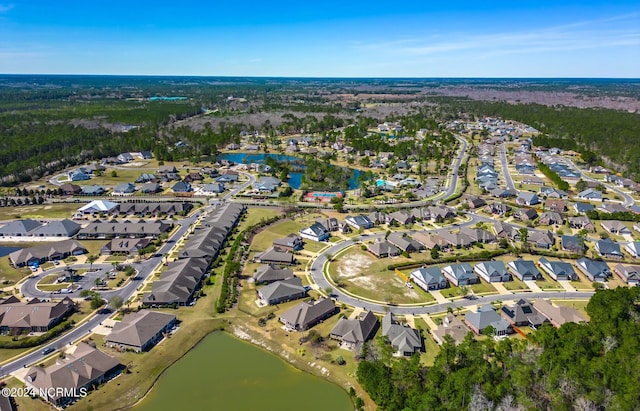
{"x": 628, "y": 200}
{"x": 318, "y": 276}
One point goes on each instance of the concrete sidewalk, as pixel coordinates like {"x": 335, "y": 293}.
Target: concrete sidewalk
{"x": 441, "y": 299}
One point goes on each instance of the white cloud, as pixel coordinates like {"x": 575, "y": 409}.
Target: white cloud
{"x": 5, "y": 8}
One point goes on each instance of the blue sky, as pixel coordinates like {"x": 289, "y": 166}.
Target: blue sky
{"x": 322, "y": 39}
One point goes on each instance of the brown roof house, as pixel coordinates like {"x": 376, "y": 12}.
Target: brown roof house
{"x": 307, "y": 314}
{"x": 140, "y": 331}
{"x": 558, "y": 315}
{"x": 353, "y": 333}
{"x": 452, "y": 327}
{"x": 32, "y": 316}
{"x": 71, "y": 377}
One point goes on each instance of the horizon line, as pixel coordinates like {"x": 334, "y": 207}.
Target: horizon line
{"x": 318, "y": 77}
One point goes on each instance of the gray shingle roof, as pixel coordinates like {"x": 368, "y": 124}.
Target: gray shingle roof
{"x": 139, "y": 328}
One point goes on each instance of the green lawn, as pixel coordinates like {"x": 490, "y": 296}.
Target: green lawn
{"x": 94, "y": 246}
{"x": 58, "y": 210}
{"x": 431, "y": 348}
{"x": 452, "y": 292}
{"x": 53, "y": 287}
{"x": 547, "y": 283}
{"x": 255, "y": 214}
{"x": 515, "y": 285}
{"x": 8, "y": 274}
{"x": 483, "y": 288}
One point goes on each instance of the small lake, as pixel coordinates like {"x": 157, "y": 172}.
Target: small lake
{"x": 295, "y": 178}
{"x": 8, "y": 250}
{"x": 225, "y": 373}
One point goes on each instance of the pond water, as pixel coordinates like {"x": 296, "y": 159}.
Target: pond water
{"x": 225, "y": 373}
{"x": 295, "y": 178}
{"x": 8, "y": 250}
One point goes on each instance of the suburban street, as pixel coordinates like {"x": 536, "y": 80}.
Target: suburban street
{"x": 505, "y": 168}
{"x": 317, "y": 274}
{"x": 628, "y": 200}
{"x": 144, "y": 269}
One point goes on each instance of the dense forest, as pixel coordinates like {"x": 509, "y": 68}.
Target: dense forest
{"x": 582, "y": 367}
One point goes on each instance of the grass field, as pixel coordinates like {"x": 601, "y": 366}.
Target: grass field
{"x": 10, "y": 275}
{"x": 362, "y": 274}
{"x": 94, "y": 246}
{"x": 57, "y": 210}
{"x": 264, "y": 238}
{"x": 255, "y": 215}
{"x": 431, "y": 348}
{"x": 515, "y": 285}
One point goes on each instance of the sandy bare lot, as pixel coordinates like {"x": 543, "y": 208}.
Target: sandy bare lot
{"x": 354, "y": 265}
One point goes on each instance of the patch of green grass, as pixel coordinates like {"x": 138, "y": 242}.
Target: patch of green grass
{"x": 94, "y": 246}
{"x": 58, "y": 210}
{"x": 264, "y": 239}
{"x": 515, "y": 285}
{"x": 483, "y": 288}
{"x": 547, "y": 283}
{"x": 115, "y": 259}
{"x": 255, "y": 214}
{"x": 10, "y": 274}
{"x": 53, "y": 287}
{"x": 431, "y": 348}
{"x": 451, "y": 292}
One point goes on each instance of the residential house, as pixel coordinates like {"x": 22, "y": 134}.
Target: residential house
{"x": 283, "y": 290}
{"x": 178, "y": 284}
{"x": 404, "y": 339}
{"x": 150, "y": 188}
{"x": 430, "y": 241}
{"x": 92, "y": 190}
{"x": 268, "y": 273}
{"x": 146, "y": 177}
{"x": 527, "y": 198}
{"x": 307, "y": 314}
{"x": 379, "y": 217}
{"x": 383, "y": 248}
{"x": 31, "y": 228}
{"x": 582, "y": 208}
{"x": 289, "y": 243}
{"x": 404, "y": 242}
{"x": 615, "y": 227}
{"x": 125, "y": 246}
{"x": 212, "y": 189}
{"x": 46, "y": 252}
{"x": 274, "y": 255}
{"x": 315, "y": 232}
{"x": 333, "y": 224}
{"x": 633, "y": 248}
{"x": 572, "y": 243}
{"x": 85, "y": 368}
{"x": 594, "y": 270}
{"x": 582, "y": 223}
{"x": 558, "y": 270}
{"x": 125, "y": 229}
{"x": 34, "y": 316}
{"x": 590, "y": 194}
{"x": 608, "y": 249}
{"x": 167, "y": 169}
{"x": 613, "y": 208}
{"x": 452, "y": 328}
{"x": 191, "y": 177}
{"x": 498, "y": 208}
{"x": 140, "y": 331}
{"x": 541, "y": 239}
{"x": 125, "y": 157}
{"x": 145, "y": 155}
{"x": 182, "y": 187}
{"x": 78, "y": 175}
{"x": 484, "y": 318}
{"x": 476, "y": 202}
{"x": 523, "y": 313}
{"x": 228, "y": 176}
{"x": 524, "y": 270}
{"x": 401, "y": 217}
{"x": 353, "y": 333}
{"x": 557, "y": 315}
{"x": 460, "y": 274}
{"x": 551, "y": 218}
{"x": 430, "y": 278}
{"x": 478, "y": 235}
{"x": 358, "y": 221}
{"x": 457, "y": 240}
{"x": 526, "y": 214}
{"x": 552, "y": 193}
{"x": 69, "y": 189}
{"x": 492, "y": 271}
{"x": 529, "y": 179}
{"x": 267, "y": 184}
{"x": 630, "y": 274}
{"x": 124, "y": 189}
